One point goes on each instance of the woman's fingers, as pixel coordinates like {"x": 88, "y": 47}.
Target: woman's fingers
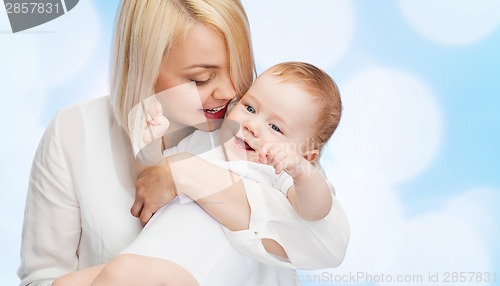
{"x": 154, "y": 190}
{"x": 136, "y": 208}
{"x": 145, "y": 216}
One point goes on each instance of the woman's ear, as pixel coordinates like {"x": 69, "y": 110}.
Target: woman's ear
{"x": 311, "y": 155}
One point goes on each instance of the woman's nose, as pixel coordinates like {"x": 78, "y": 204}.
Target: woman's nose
{"x": 225, "y": 89}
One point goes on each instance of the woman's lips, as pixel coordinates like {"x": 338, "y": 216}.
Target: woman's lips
{"x": 215, "y": 113}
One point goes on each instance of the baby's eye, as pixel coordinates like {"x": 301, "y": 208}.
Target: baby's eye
{"x": 250, "y": 109}
{"x": 275, "y": 127}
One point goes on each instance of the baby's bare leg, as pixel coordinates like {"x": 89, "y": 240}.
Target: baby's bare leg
{"x": 135, "y": 270}
{"x": 82, "y": 277}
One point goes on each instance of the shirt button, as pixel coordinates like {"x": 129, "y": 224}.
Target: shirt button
{"x": 256, "y": 232}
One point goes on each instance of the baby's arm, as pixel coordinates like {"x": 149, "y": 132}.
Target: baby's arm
{"x": 312, "y": 245}
{"x": 218, "y": 191}
{"x": 310, "y": 195}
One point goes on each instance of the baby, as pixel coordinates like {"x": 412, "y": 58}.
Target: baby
{"x": 273, "y": 135}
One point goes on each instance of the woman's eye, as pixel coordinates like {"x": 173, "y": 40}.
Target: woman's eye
{"x": 204, "y": 82}
{"x": 250, "y": 109}
{"x": 201, "y": 82}
{"x": 275, "y": 128}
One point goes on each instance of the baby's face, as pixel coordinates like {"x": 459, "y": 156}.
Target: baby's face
{"x": 270, "y": 112}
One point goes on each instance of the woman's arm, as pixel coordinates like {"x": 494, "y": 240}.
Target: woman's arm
{"x": 51, "y": 231}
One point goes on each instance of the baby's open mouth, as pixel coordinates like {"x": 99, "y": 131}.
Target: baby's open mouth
{"x": 242, "y": 144}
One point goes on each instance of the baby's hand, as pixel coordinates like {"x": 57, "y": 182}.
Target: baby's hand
{"x": 155, "y": 124}
{"x": 283, "y": 157}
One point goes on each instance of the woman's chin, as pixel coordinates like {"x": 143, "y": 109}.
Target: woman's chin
{"x": 210, "y": 125}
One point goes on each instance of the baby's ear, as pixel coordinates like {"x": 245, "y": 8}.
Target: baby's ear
{"x": 311, "y": 155}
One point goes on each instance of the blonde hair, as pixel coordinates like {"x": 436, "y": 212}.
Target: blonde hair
{"x": 145, "y": 32}
{"x": 324, "y": 91}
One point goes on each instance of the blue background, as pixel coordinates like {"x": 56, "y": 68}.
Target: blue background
{"x": 415, "y": 161}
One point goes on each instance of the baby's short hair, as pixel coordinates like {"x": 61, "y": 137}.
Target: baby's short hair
{"x": 324, "y": 90}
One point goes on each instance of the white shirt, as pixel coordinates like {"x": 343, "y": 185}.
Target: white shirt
{"x": 82, "y": 186}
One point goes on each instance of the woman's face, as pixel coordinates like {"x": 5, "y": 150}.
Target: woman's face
{"x": 200, "y": 57}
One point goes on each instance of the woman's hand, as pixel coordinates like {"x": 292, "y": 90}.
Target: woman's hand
{"x": 155, "y": 188}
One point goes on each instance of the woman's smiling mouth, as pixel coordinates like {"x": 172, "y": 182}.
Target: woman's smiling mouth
{"x": 215, "y": 113}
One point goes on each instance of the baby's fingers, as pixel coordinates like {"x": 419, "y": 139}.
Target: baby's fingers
{"x": 149, "y": 118}
{"x": 264, "y": 153}
{"x": 157, "y": 107}
{"x": 263, "y": 158}
{"x": 279, "y": 167}
{"x": 161, "y": 121}
{"x": 283, "y": 165}
{"x": 276, "y": 158}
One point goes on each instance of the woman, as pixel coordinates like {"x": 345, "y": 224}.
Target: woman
{"x": 82, "y": 182}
